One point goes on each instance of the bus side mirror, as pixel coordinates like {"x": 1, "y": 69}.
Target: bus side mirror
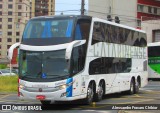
{"x": 11, "y": 49}
{"x": 70, "y": 47}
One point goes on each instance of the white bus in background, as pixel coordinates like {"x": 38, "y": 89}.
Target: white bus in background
{"x": 65, "y": 58}
{"x": 154, "y": 60}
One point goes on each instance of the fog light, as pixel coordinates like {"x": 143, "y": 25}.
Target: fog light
{"x": 21, "y": 94}
{"x": 64, "y": 94}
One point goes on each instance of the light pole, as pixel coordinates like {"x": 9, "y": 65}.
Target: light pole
{"x": 82, "y": 7}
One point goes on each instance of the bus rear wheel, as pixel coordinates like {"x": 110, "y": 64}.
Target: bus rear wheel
{"x": 137, "y": 86}
{"x": 100, "y": 92}
{"x": 132, "y": 87}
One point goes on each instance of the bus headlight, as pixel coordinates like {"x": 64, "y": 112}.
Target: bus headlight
{"x": 64, "y": 86}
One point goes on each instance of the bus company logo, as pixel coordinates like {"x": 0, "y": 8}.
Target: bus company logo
{"x": 44, "y": 75}
{"x": 40, "y": 89}
{"x": 6, "y": 107}
{"x": 39, "y": 85}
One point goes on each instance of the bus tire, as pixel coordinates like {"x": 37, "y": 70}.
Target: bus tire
{"x": 45, "y": 102}
{"x": 132, "y": 87}
{"x": 137, "y": 86}
{"x": 100, "y": 92}
{"x": 90, "y": 93}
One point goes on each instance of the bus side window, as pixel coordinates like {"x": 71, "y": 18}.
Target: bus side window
{"x": 78, "y": 59}
{"x": 82, "y": 30}
{"x": 78, "y": 33}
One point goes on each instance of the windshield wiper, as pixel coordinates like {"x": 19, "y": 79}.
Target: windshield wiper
{"x": 27, "y": 77}
{"x": 58, "y": 76}
{"x": 39, "y": 74}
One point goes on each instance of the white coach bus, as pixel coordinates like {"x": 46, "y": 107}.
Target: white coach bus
{"x": 65, "y": 58}
{"x": 154, "y": 60}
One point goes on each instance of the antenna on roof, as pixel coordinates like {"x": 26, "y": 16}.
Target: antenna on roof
{"x": 109, "y": 18}
{"x": 117, "y": 19}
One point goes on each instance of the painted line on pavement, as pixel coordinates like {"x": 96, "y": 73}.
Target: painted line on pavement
{"x": 6, "y": 96}
{"x": 94, "y": 105}
{"x": 3, "y": 100}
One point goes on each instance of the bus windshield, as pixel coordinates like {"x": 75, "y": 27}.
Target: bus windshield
{"x": 48, "y": 28}
{"x": 43, "y": 65}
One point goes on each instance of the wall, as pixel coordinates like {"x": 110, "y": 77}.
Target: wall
{"x": 127, "y": 11}
{"x": 148, "y": 26}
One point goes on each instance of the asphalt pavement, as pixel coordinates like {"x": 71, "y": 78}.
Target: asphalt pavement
{"x": 147, "y": 95}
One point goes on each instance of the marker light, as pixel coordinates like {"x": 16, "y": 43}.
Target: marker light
{"x": 21, "y": 86}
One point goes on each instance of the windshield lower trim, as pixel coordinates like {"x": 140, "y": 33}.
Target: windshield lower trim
{"x": 43, "y": 80}
{"x": 49, "y": 48}
{"x": 43, "y": 48}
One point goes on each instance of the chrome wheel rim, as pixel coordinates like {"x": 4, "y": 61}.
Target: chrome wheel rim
{"x": 132, "y": 88}
{"x": 100, "y": 91}
{"x": 90, "y": 94}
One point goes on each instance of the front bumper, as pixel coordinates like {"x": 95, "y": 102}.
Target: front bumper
{"x": 54, "y": 96}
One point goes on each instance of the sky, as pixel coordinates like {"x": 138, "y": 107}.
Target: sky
{"x": 69, "y": 6}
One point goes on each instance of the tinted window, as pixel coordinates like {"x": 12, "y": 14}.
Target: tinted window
{"x": 154, "y": 51}
{"x": 109, "y": 65}
{"x": 113, "y": 34}
{"x": 48, "y": 28}
{"x": 82, "y": 29}
{"x": 78, "y": 59}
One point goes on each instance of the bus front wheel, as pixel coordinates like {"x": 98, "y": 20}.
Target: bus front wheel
{"x": 100, "y": 92}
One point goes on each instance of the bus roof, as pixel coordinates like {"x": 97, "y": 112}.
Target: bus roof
{"x": 118, "y": 25}
{"x": 89, "y": 17}
{"x": 154, "y": 44}
{"x": 62, "y": 16}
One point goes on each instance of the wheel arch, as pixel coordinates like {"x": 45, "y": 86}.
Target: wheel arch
{"x": 133, "y": 78}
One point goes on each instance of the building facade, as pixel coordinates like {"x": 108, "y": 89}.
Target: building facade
{"x": 152, "y": 28}
{"x": 43, "y": 7}
{"x": 13, "y": 15}
{"x": 148, "y": 18}
{"x": 130, "y": 12}
{"x": 147, "y": 10}
{"x": 126, "y": 11}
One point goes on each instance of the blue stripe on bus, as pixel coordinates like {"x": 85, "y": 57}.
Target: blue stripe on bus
{"x": 47, "y": 30}
{"x": 69, "y": 88}
{"x": 69, "y": 28}
{"x": 78, "y": 33}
